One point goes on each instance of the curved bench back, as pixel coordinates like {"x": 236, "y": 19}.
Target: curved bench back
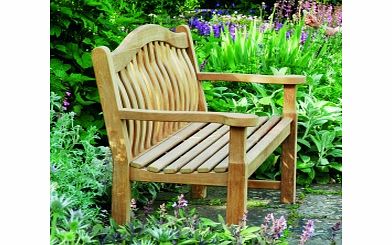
{"x": 153, "y": 68}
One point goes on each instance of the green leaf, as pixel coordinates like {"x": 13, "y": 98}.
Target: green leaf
{"x": 337, "y": 166}
{"x": 55, "y": 30}
{"x": 265, "y": 101}
{"x": 61, "y": 48}
{"x": 323, "y": 169}
{"x": 324, "y": 161}
{"x": 76, "y": 78}
{"x": 190, "y": 241}
{"x": 249, "y": 230}
{"x": 304, "y": 142}
{"x": 66, "y": 11}
{"x": 336, "y": 153}
{"x": 208, "y": 222}
{"x": 304, "y": 165}
{"x": 82, "y": 101}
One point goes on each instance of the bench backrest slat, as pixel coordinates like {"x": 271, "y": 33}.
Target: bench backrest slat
{"x": 152, "y": 69}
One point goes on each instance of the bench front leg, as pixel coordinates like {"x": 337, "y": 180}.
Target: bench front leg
{"x": 237, "y": 182}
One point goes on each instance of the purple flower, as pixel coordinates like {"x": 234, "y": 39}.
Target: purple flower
{"x": 244, "y": 219}
{"x": 232, "y": 30}
{"x": 314, "y": 8}
{"x": 193, "y": 22}
{"x": 66, "y": 103}
{"x": 307, "y": 232}
{"x": 304, "y": 36}
{"x": 337, "y": 226}
{"x": 288, "y": 34}
{"x": 68, "y": 94}
{"x": 306, "y": 5}
{"x": 277, "y": 226}
{"x": 267, "y": 219}
{"x": 182, "y": 203}
{"x": 278, "y": 25}
{"x": 217, "y": 30}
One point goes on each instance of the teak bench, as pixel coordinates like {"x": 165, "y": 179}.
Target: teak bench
{"x": 159, "y": 129}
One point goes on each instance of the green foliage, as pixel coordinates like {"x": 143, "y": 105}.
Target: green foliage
{"x": 282, "y": 52}
{"x": 67, "y": 226}
{"x": 183, "y": 227}
{"x": 79, "y": 169}
{"x": 237, "y": 55}
{"x": 76, "y": 27}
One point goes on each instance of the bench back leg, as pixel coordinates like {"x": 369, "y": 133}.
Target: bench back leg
{"x": 289, "y": 148}
{"x": 199, "y": 191}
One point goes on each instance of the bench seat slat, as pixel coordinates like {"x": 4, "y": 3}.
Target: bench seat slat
{"x": 157, "y": 150}
{"x": 213, "y": 152}
{"x": 210, "y": 163}
{"x": 250, "y": 142}
{"x": 194, "y": 152}
{"x": 158, "y": 164}
{"x": 268, "y": 144}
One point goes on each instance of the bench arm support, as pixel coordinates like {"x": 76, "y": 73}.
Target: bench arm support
{"x": 255, "y": 78}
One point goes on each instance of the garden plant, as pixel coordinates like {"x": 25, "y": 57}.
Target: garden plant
{"x": 283, "y": 37}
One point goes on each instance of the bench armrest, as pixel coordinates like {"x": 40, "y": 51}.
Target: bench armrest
{"x": 231, "y": 119}
{"x": 238, "y": 77}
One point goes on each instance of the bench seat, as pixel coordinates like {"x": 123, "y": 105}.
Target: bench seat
{"x": 204, "y": 147}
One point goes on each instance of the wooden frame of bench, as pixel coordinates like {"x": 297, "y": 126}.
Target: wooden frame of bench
{"x": 132, "y": 131}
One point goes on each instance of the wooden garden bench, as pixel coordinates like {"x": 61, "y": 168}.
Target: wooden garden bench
{"x": 159, "y": 129}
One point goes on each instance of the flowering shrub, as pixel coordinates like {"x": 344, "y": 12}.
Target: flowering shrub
{"x": 307, "y": 232}
{"x": 186, "y": 227}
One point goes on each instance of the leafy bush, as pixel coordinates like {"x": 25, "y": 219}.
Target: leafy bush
{"x": 79, "y": 169}
{"x": 279, "y": 49}
{"x": 67, "y": 225}
{"x": 76, "y": 27}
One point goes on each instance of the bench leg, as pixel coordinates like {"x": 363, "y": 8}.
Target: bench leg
{"x": 289, "y": 147}
{"x": 199, "y": 191}
{"x": 288, "y": 170}
{"x": 121, "y": 197}
{"x": 237, "y": 190}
